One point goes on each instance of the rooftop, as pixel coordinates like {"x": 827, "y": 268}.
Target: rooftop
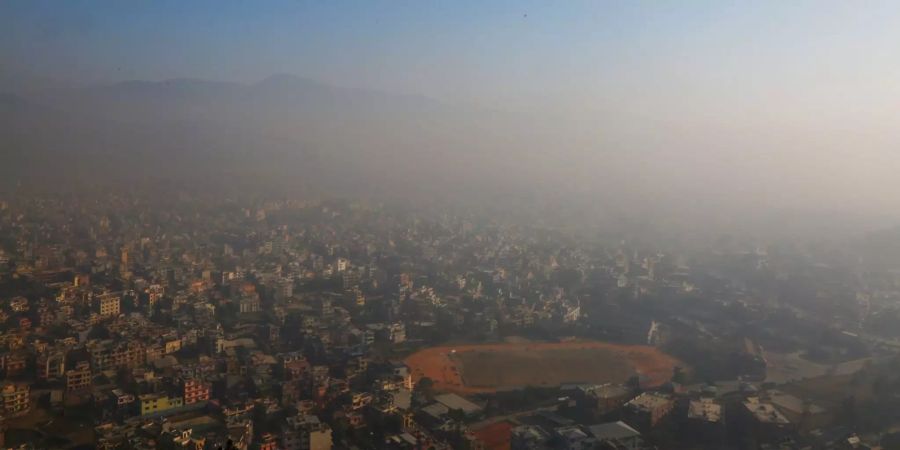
{"x": 605, "y": 391}
{"x": 649, "y": 401}
{"x": 453, "y": 401}
{"x": 792, "y": 404}
{"x": 705, "y": 409}
{"x": 765, "y": 412}
{"x": 613, "y": 431}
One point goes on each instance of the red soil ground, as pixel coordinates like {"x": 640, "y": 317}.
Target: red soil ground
{"x": 444, "y": 367}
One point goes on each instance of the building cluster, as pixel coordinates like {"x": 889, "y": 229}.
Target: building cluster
{"x": 177, "y": 323}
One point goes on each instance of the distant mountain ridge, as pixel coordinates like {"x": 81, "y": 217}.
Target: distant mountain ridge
{"x": 287, "y": 132}
{"x": 323, "y": 132}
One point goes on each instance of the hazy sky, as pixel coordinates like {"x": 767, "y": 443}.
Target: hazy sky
{"x": 805, "y": 92}
{"x": 505, "y": 52}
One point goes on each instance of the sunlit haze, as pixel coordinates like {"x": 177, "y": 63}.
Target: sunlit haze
{"x": 763, "y": 104}
{"x": 449, "y": 225}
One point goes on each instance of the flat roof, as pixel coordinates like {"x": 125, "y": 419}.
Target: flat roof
{"x": 435, "y": 410}
{"x": 705, "y": 409}
{"x": 453, "y": 401}
{"x": 765, "y": 412}
{"x": 613, "y": 430}
{"x": 649, "y": 401}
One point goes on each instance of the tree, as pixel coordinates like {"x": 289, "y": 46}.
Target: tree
{"x": 634, "y": 383}
{"x": 678, "y": 375}
{"x": 425, "y": 384}
{"x": 98, "y": 332}
{"x": 457, "y": 415}
{"x": 424, "y": 389}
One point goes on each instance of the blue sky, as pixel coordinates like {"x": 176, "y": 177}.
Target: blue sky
{"x": 515, "y": 54}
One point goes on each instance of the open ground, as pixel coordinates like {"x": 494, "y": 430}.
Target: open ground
{"x": 488, "y": 367}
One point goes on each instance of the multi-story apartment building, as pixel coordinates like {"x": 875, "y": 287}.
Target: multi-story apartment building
{"x": 649, "y": 408}
{"x": 114, "y": 355}
{"x": 51, "y": 365}
{"x": 306, "y": 432}
{"x": 157, "y": 403}
{"x": 109, "y": 305}
{"x": 16, "y": 399}
{"x": 79, "y": 378}
{"x": 195, "y": 391}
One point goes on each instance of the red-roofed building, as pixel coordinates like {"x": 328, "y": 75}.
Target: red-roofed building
{"x": 496, "y": 436}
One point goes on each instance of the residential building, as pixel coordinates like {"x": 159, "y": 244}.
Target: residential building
{"x": 16, "y": 399}
{"x": 195, "y": 391}
{"x": 114, "y": 355}
{"x": 51, "y": 365}
{"x": 648, "y": 409}
{"x": 617, "y": 435}
{"x": 158, "y": 403}
{"x": 79, "y": 378}
{"x": 109, "y": 305}
{"x": 306, "y": 432}
{"x": 705, "y": 410}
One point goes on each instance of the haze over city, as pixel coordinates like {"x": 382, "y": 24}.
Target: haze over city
{"x": 708, "y": 106}
{"x": 449, "y": 225}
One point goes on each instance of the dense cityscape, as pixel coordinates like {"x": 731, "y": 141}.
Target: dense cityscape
{"x": 449, "y": 225}
{"x": 142, "y": 321}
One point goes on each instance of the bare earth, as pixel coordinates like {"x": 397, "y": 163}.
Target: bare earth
{"x": 489, "y": 367}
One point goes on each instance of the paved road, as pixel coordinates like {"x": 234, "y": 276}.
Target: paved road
{"x": 495, "y": 419}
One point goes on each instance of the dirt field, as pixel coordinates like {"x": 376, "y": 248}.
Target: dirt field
{"x": 488, "y": 367}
